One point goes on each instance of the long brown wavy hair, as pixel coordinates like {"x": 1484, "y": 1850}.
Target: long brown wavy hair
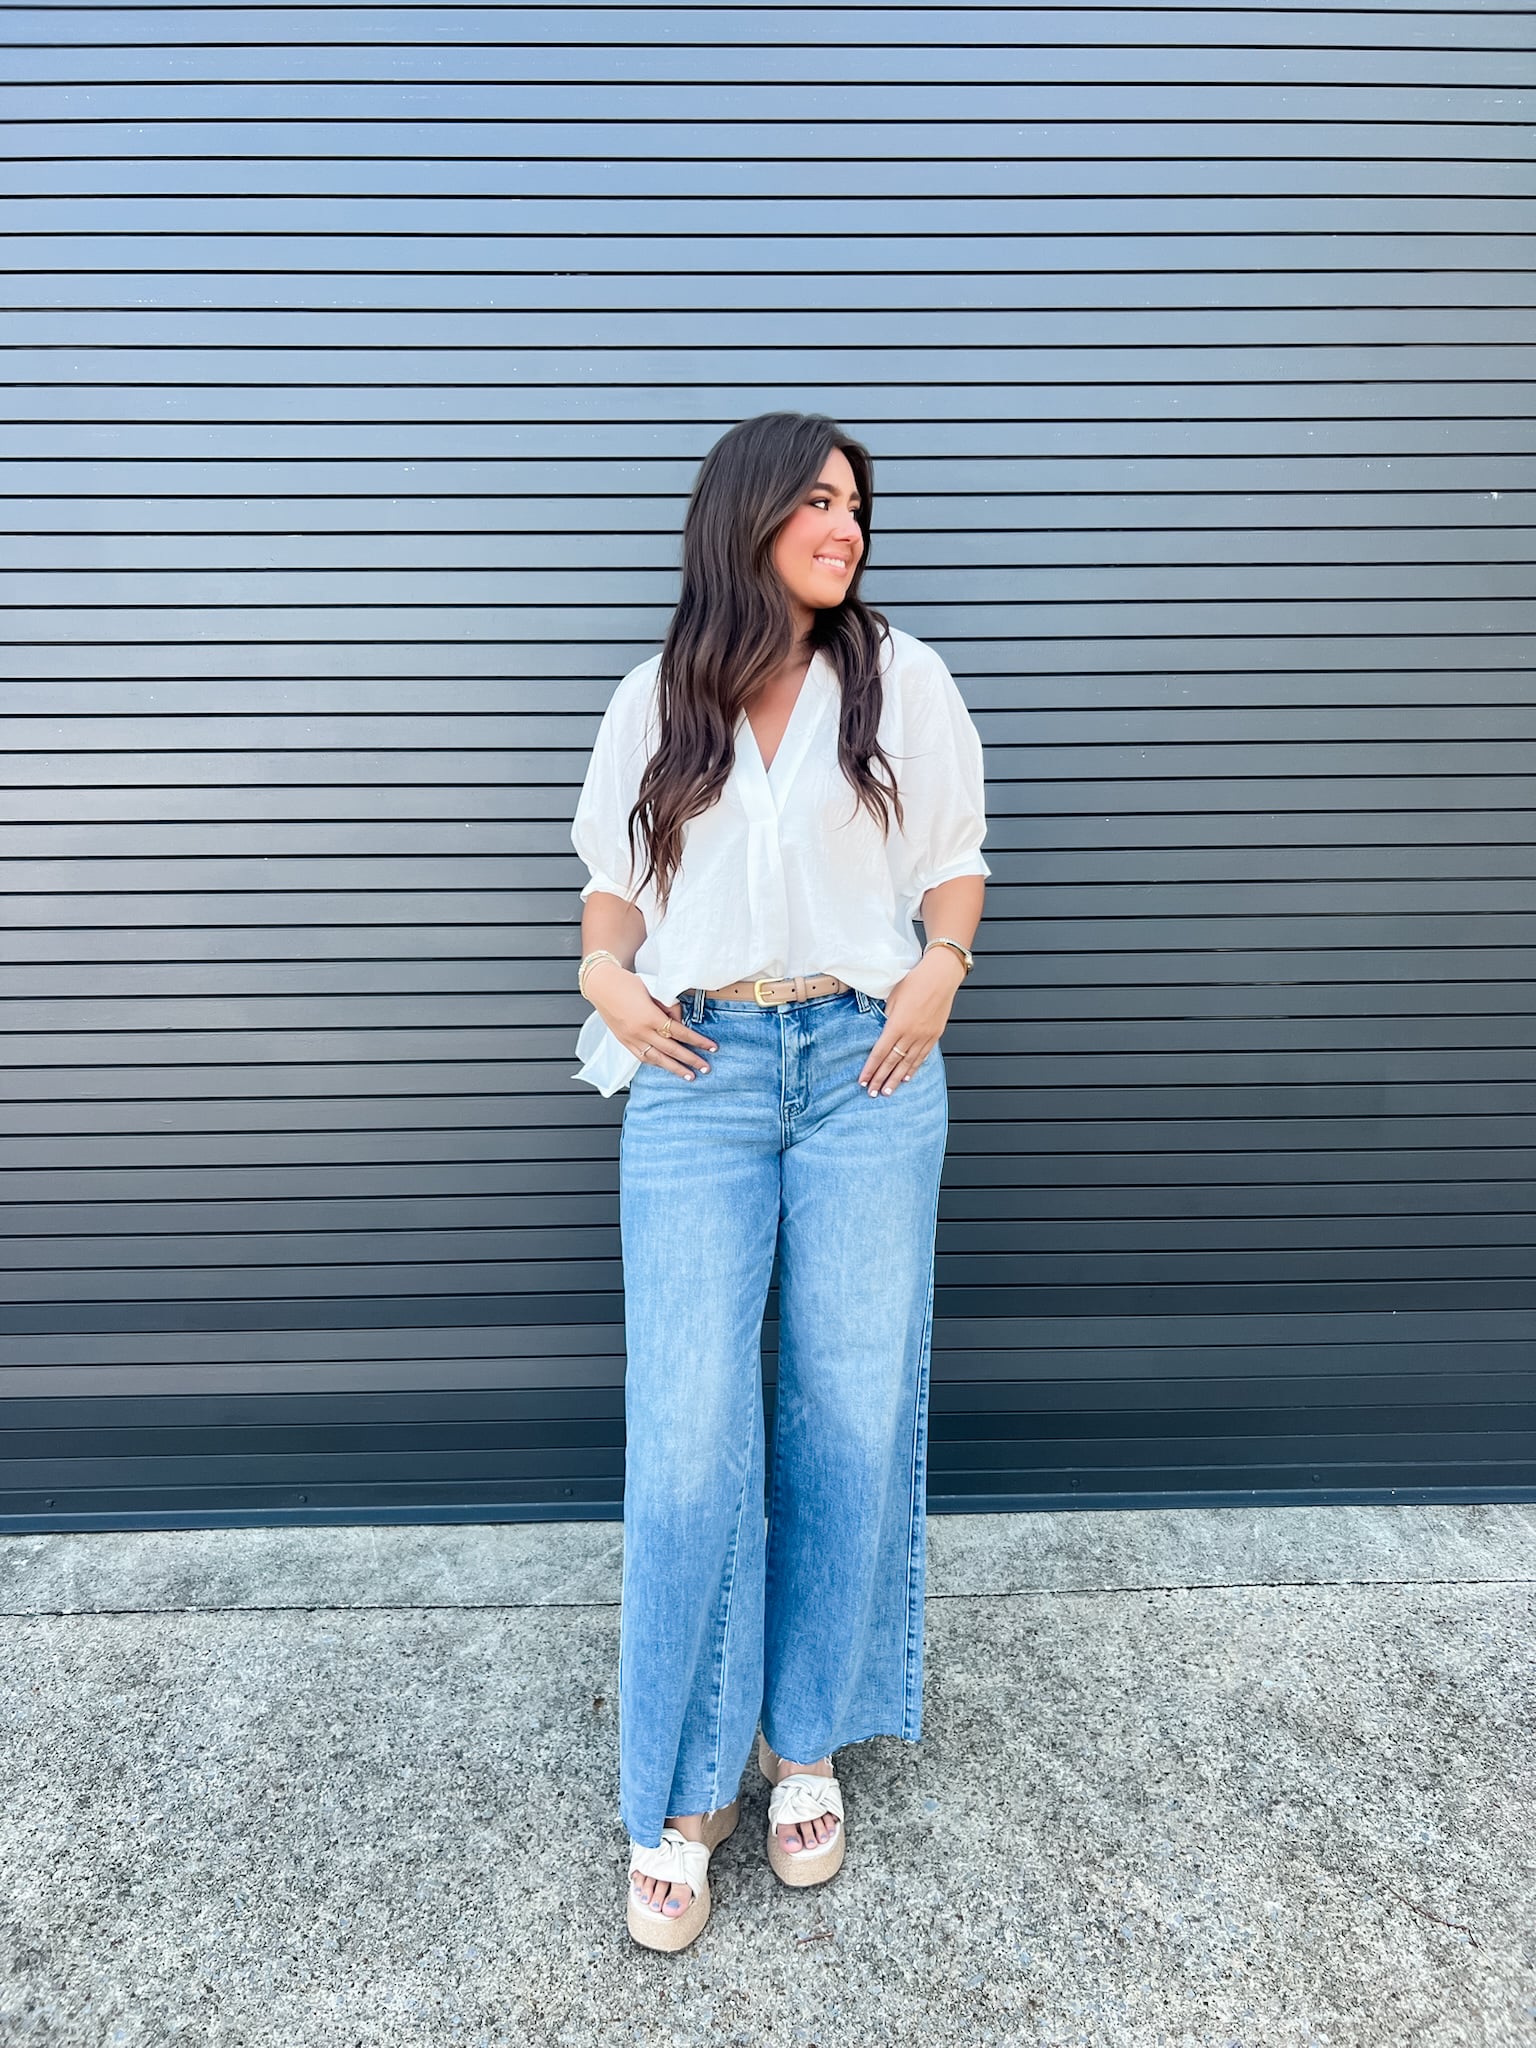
{"x": 733, "y": 627}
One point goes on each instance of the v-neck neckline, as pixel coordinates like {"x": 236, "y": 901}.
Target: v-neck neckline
{"x": 790, "y": 751}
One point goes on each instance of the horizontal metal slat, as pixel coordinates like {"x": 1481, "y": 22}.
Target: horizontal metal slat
{"x": 969, "y": 218}
{"x": 151, "y": 1272}
{"x": 945, "y": 69}
{"x": 1402, "y": 1145}
{"x": 1170, "y": 463}
{"x": 1492, "y": 535}
{"x": 560, "y": 1227}
{"x": 1279, "y": 619}
{"x": 263, "y": 1311}
{"x": 1166, "y": 303}
{"x": 899, "y": 22}
{"x": 560, "y": 768}
{"x": 1028, "y": 1016}
{"x": 1389, "y": 1108}
{"x": 537, "y": 854}
{"x": 690, "y": 258}
{"x": 706, "y": 99}
{"x": 1170, "y": 582}
{"x": 562, "y": 740}
{"x": 1449, "y": 1211}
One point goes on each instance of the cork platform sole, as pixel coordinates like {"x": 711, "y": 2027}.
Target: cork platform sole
{"x": 801, "y": 1866}
{"x": 658, "y": 1930}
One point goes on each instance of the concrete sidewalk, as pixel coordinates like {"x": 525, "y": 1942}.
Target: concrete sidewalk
{"x": 1213, "y": 1778}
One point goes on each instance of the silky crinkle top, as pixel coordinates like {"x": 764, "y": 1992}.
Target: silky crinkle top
{"x": 787, "y": 873}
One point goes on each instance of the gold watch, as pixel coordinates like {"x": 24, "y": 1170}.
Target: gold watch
{"x": 964, "y": 952}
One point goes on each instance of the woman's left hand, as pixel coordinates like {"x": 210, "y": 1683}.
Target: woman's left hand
{"x": 916, "y": 1011}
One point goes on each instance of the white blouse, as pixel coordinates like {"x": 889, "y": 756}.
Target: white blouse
{"x": 787, "y": 873}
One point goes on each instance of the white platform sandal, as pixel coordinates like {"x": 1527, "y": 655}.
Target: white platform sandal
{"x": 679, "y": 1861}
{"x": 801, "y": 1796}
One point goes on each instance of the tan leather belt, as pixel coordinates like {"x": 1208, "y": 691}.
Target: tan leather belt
{"x": 767, "y": 991}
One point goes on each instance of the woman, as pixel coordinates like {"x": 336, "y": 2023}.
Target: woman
{"x": 768, "y": 802}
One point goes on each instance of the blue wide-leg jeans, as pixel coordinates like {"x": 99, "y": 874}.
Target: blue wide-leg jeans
{"x": 811, "y": 1618}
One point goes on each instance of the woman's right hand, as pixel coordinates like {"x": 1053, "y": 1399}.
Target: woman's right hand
{"x": 637, "y": 1021}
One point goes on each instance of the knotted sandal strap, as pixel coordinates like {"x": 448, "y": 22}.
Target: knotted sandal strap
{"x": 675, "y": 1859}
{"x": 802, "y": 1796}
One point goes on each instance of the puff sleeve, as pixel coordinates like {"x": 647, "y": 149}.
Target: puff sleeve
{"x": 598, "y": 830}
{"x": 943, "y": 785}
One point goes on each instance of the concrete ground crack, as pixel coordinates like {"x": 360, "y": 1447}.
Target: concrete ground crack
{"x": 1457, "y": 1926}
{"x": 585, "y": 1606}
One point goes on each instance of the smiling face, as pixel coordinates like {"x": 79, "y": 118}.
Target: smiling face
{"x": 820, "y": 545}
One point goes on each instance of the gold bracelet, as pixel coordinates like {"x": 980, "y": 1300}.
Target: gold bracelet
{"x": 955, "y": 945}
{"x": 591, "y": 960}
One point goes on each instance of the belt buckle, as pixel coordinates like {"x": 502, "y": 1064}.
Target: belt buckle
{"x": 769, "y": 1002}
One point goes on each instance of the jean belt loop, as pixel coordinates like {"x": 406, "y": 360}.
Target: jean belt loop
{"x": 696, "y": 1007}
{"x": 862, "y": 999}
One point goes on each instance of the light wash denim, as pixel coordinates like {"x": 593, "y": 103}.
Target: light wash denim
{"x": 815, "y": 1621}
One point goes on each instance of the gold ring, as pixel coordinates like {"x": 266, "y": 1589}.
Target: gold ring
{"x": 666, "y": 1027}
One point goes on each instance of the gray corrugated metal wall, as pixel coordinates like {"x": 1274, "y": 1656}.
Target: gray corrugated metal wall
{"x": 362, "y": 361}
